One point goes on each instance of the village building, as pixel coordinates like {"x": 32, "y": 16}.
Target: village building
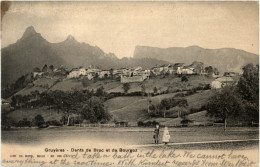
{"x": 104, "y": 74}
{"x": 137, "y": 71}
{"x": 156, "y": 70}
{"x": 147, "y": 73}
{"x": 221, "y": 82}
{"x": 74, "y": 73}
{"x": 90, "y": 76}
{"x": 216, "y": 85}
{"x": 166, "y": 68}
{"x": 214, "y": 75}
{"x": 177, "y": 68}
{"x": 188, "y": 71}
{"x": 82, "y": 71}
{"x": 127, "y": 72}
{"x": 194, "y": 68}
{"x": 61, "y": 71}
{"x": 171, "y": 69}
{"x": 117, "y": 72}
{"x": 95, "y": 70}
{"x": 37, "y": 74}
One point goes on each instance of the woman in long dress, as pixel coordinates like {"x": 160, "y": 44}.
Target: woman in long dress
{"x": 166, "y": 136}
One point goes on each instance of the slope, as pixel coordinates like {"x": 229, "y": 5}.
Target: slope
{"x": 225, "y": 59}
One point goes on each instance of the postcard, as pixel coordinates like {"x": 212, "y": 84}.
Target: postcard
{"x": 126, "y": 83}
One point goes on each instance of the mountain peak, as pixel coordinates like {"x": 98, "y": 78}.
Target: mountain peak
{"x": 70, "y": 38}
{"x": 30, "y": 31}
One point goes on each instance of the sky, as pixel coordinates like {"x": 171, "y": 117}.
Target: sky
{"x": 118, "y": 27}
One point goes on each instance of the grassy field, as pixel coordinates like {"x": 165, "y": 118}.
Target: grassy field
{"x": 162, "y": 83}
{"x": 41, "y": 84}
{"x": 199, "y": 117}
{"x": 128, "y": 108}
{"x": 134, "y": 108}
{"x": 199, "y": 99}
{"x": 173, "y": 83}
{"x": 48, "y": 115}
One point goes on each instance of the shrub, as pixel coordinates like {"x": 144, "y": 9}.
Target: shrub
{"x": 185, "y": 121}
{"x": 147, "y": 124}
{"x": 24, "y": 123}
{"x": 140, "y": 123}
{"x": 39, "y": 120}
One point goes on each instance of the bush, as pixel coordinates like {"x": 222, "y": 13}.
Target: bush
{"x": 24, "y": 123}
{"x": 185, "y": 121}
{"x": 39, "y": 120}
{"x": 140, "y": 123}
{"x": 147, "y": 124}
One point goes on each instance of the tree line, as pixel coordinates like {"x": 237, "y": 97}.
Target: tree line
{"x": 88, "y": 104}
{"x": 240, "y": 101}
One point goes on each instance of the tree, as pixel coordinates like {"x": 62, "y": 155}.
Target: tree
{"x": 94, "y": 111}
{"x": 182, "y": 112}
{"x": 165, "y": 105}
{"x": 39, "y": 120}
{"x": 143, "y": 88}
{"x": 111, "y": 71}
{"x": 215, "y": 70}
{"x": 182, "y": 104}
{"x": 51, "y": 67}
{"x": 209, "y": 69}
{"x": 45, "y": 68}
{"x": 85, "y": 82}
{"x": 225, "y": 104}
{"x": 68, "y": 102}
{"x": 184, "y": 79}
{"x": 155, "y": 90}
{"x": 126, "y": 87}
{"x": 248, "y": 88}
{"x": 100, "y": 92}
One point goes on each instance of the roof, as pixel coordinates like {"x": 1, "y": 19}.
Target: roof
{"x": 225, "y": 79}
{"x": 74, "y": 69}
{"x": 178, "y": 64}
{"x": 165, "y": 65}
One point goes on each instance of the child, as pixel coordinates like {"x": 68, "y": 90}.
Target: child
{"x": 156, "y": 134}
{"x": 166, "y": 136}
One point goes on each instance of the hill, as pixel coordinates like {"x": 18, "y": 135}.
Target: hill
{"x": 134, "y": 108}
{"x": 123, "y": 108}
{"x": 170, "y": 83}
{"x": 225, "y": 59}
{"x": 32, "y": 50}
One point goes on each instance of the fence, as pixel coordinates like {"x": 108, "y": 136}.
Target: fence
{"x": 95, "y": 125}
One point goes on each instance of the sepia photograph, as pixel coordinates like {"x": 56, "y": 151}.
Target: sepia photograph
{"x": 126, "y": 83}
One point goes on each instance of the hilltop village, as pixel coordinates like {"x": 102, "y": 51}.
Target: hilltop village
{"x": 137, "y": 74}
